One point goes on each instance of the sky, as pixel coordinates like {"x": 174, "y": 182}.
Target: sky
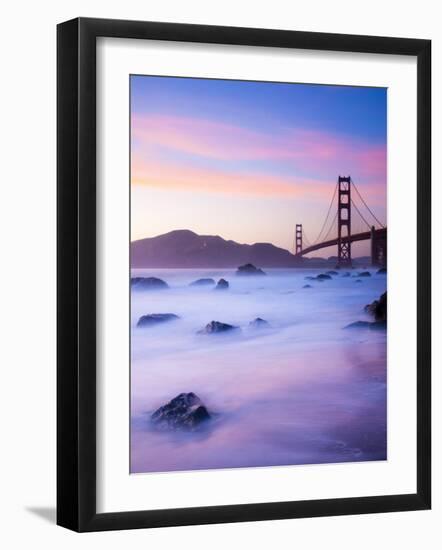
{"x": 249, "y": 160}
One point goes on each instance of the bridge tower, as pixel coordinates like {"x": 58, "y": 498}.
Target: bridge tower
{"x": 298, "y": 238}
{"x": 344, "y": 221}
{"x": 378, "y": 247}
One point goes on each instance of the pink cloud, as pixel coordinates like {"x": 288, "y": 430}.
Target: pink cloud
{"x": 167, "y": 176}
{"x": 307, "y": 150}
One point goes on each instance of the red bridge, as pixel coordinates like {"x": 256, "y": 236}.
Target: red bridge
{"x": 349, "y": 225}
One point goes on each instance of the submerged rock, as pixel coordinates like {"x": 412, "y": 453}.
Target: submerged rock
{"x": 259, "y": 323}
{"x": 369, "y": 325}
{"x": 203, "y": 282}
{"x": 147, "y": 283}
{"x": 185, "y": 412}
{"x": 364, "y": 274}
{"x": 216, "y": 327}
{"x": 358, "y": 281}
{"x": 378, "y": 308}
{"x": 381, "y": 270}
{"x": 156, "y": 319}
{"x": 222, "y": 284}
{"x": 249, "y": 269}
{"x": 323, "y": 277}
{"x": 307, "y": 286}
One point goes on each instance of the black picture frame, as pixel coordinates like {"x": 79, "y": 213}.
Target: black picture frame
{"x": 76, "y": 274}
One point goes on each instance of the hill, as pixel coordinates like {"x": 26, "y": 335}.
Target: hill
{"x": 186, "y": 249}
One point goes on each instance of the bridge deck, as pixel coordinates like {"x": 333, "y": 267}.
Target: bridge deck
{"x": 366, "y": 235}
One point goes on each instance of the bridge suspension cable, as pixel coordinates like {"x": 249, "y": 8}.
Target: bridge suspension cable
{"x": 360, "y": 214}
{"x": 305, "y": 238}
{"x": 328, "y": 214}
{"x": 331, "y": 226}
{"x": 365, "y": 204}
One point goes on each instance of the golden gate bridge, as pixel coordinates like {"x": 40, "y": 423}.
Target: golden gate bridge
{"x": 347, "y": 225}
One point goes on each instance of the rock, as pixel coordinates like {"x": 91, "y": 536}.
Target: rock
{"x": 307, "y": 286}
{"x": 309, "y": 278}
{"x": 249, "y": 269}
{"x": 216, "y": 327}
{"x": 358, "y": 281}
{"x": 185, "y": 412}
{"x": 346, "y": 274}
{"x": 222, "y": 284}
{"x": 259, "y": 323}
{"x": 202, "y": 282}
{"x": 331, "y": 272}
{"x": 378, "y": 308}
{"x": 147, "y": 283}
{"x": 156, "y": 319}
{"x": 364, "y": 274}
{"x": 323, "y": 277}
{"x": 382, "y": 270}
{"x": 359, "y": 324}
{"x": 368, "y": 325}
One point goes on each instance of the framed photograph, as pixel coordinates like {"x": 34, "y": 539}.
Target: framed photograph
{"x": 234, "y": 207}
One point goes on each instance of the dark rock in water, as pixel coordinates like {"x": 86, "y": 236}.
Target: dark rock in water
{"x": 249, "y": 269}
{"x": 323, "y": 277}
{"x": 358, "y": 281}
{"x": 346, "y": 274}
{"x": 331, "y": 272}
{"x": 359, "y": 324}
{"x": 259, "y": 323}
{"x": 309, "y": 278}
{"x": 222, "y": 284}
{"x": 202, "y": 282}
{"x": 378, "y": 308}
{"x": 216, "y": 327}
{"x": 185, "y": 412}
{"x": 376, "y": 325}
{"x": 155, "y": 319}
{"x": 364, "y": 274}
{"x": 147, "y": 283}
{"x": 381, "y": 270}
{"x": 307, "y": 286}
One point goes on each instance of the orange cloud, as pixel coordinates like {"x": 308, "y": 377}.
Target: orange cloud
{"x": 167, "y": 176}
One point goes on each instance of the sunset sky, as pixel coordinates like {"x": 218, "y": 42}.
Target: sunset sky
{"x": 249, "y": 160}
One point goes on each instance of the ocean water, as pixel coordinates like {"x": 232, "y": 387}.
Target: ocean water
{"x": 303, "y": 391}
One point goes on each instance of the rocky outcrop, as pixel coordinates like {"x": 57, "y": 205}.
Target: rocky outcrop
{"x": 249, "y": 269}
{"x": 216, "y": 327}
{"x": 378, "y": 308}
{"x": 259, "y": 323}
{"x": 156, "y": 319}
{"x": 203, "y": 282}
{"x": 186, "y": 412}
{"x": 222, "y": 284}
{"x": 367, "y": 325}
{"x": 147, "y": 283}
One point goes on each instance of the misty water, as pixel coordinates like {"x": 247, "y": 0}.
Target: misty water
{"x": 302, "y": 391}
